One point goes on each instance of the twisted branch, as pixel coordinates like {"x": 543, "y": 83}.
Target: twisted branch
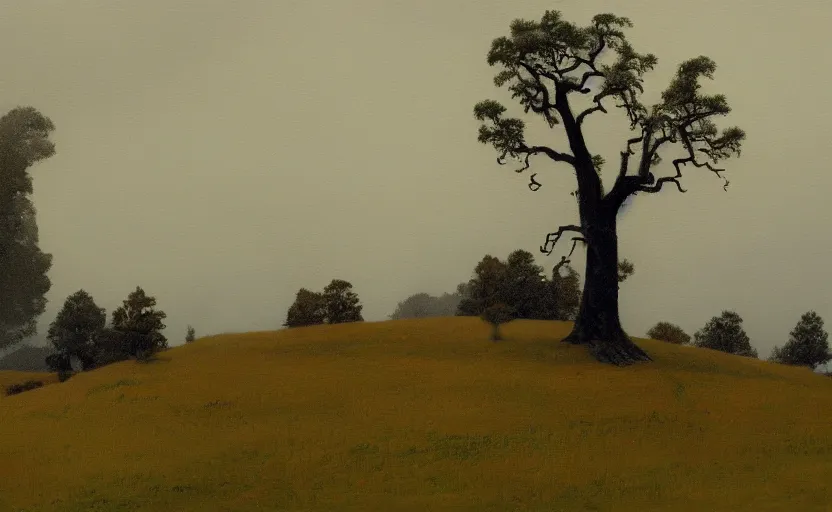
{"x": 522, "y": 149}
{"x": 534, "y": 186}
{"x": 690, "y": 159}
{"x": 597, "y": 108}
{"x": 552, "y": 238}
{"x": 632, "y": 141}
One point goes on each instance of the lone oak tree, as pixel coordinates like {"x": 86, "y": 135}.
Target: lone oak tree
{"x": 547, "y": 64}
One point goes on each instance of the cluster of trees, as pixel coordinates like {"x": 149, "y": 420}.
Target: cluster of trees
{"x": 337, "y": 304}
{"x": 518, "y": 283}
{"x": 83, "y": 341}
{"x": 522, "y": 286}
{"x": 808, "y": 343}
{"x": 501, "y": 291}
{"x": 79, "y": 335}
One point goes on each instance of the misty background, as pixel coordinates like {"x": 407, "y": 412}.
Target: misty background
{"x": 221, "y": 155}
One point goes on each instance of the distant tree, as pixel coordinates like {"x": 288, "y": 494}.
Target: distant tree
{"x": 725, "y": 333}
{"x": 418, "y": 305}
{"x": 625, "y": 270}
{"x": 465, "y": 307}
{"x": 341, "y": 303}
{"x": 76, "y": 328}
{"x": 672, "y": 333}
{"x": 496, "y": 315}
{"x": 548, "y": 66}
{"x": 423, "y": 305}
{"x": 308, "y": 309}
{"x": 139, "y": 325}
{"x": 190, "y": 335}
{"x": 447, "y": 303}
{"x": 463, "y": 290}
{"x": 24, "y": 141}
{"x": 567, "y": 291}
{"x": 27, "y": 358}
{"x": 484, "y": 288}
{"x": 808, "y": 344}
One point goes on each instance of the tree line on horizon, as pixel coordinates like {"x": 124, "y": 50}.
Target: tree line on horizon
{"x": 517, "y": 282}
{"x": 509, "y": 286}
{"x": 808, "y": 343}
{"x": 517, "y": 288}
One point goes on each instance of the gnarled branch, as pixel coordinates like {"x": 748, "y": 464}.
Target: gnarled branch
{"x": 677, "y": 163}
{"x": 597, "y": 108}
{"x": 552, "y": 238}
{"x": 522, "y": 149}
{"x": 589, "y": 74}
{"x": 658, "y": 186}
{"x": 634, "y": 140}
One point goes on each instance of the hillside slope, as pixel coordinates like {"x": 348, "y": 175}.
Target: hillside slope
{"x": 420, "y": 415}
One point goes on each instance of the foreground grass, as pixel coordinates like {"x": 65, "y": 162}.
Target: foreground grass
{"x": 420, "y": 415}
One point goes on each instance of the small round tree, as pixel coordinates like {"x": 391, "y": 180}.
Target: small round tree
{"x": 74, "y": 332}
{"x": 340, "y": 303}
{"x": 671, "y": 333}
{"x": 497, "y": 315}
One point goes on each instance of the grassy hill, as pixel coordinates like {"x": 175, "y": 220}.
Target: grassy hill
{"x": 420, "y": 415}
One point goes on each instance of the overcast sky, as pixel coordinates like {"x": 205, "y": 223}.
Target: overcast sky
{"x": 224, "y": 154}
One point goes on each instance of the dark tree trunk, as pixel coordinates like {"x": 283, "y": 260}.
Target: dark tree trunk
{"x": 495, "y": 332}
{"x": 597, "y": 324}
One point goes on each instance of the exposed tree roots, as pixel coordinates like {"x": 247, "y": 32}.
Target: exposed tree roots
{"x": 618, "y": 350}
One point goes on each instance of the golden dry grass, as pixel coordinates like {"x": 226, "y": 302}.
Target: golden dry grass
{"x": 420, "y": 415}
{"x": 7, "y": 378}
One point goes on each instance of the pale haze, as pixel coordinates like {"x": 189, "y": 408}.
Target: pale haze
{"x": 222, "y": 155}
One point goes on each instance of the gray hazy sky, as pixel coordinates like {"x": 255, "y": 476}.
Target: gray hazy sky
{"x": 224, "y": 154}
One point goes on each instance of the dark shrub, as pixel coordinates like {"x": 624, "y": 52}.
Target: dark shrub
{"x": 15, "y": 389}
